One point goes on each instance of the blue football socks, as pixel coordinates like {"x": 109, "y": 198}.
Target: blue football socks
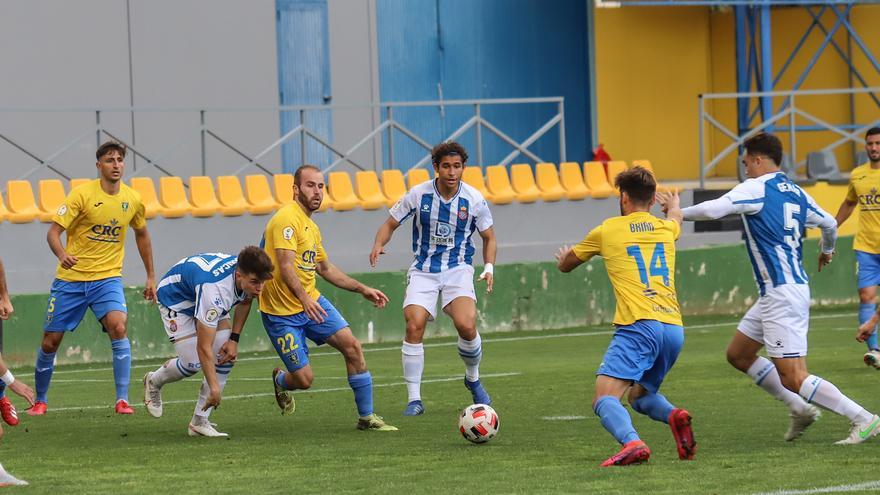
{"x": 44, "y": 367}
{"x": 121, "y": 366}
{"x": 362, "y": 385}
{"x": 615, "y": 419}
{"x": 655, "y": 406}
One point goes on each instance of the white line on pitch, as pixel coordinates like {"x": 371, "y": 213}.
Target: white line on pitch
{"x": 858, "y": 487}
{"x": 563, "y": 418}
{"x": 298, "y": 392}
{"x": 449, "y": 344}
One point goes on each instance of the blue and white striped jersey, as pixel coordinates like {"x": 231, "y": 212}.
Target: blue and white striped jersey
{"x": 442, "y": 230}
{"x": 201, "y": 286}
{"x": 775, "y": 212}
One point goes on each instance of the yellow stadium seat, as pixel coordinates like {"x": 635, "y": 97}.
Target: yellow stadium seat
{"x": 416, "y": 176}
{"x": 4, "y": 213}
{"x": 51, "y": 196}
{"x": 498, "y": 184}
{"x": 368, "y": 190}
{"x": 614, "y": 169}
{"x": 473, "y": 176}
{"x": 78, "y": 182}
{"x": 523, "y": 182}
{"x": 341, "y": 191}
{"x": 147, "y": 189}
{"x": 202, "y": 197}
{"x": 573, "y": 181}
{"x": 283, "y": 184}
{"x": 231, "y": 197}
{"x": 259, "y": 196}
{"x": 393, "y": 185}
{"x": 596, "y": 180}
{"x": 21, "y": 203}
{"x": 645, "y": 164}
{"x": 173, "y": 197}
{"x": 547, "y": 179}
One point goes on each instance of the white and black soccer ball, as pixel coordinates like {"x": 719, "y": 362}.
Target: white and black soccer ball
{"x": 478, "y": 423}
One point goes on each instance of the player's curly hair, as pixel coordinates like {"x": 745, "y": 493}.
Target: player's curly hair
{"x": 254, "y": 261}
{"x": 108, "y": 147}
{"x": 446, "y": 149}
{"x": 638, "y": 183}
{"x": 764, "y": 144}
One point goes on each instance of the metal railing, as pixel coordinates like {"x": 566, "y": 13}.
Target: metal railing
{"x": 382, "y": 134}
{"x": 786, "y": 115}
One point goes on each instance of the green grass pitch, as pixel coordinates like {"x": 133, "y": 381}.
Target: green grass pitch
{"x": 541, "y": 385}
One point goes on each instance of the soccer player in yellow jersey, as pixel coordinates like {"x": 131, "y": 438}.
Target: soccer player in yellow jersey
{"x": 639, "y": 253}
{"x": 293, "y": 309}
{"x": 864, "y": 191}
{"x": 96, "y": 217}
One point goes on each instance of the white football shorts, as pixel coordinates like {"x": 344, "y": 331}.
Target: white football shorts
{"x": 422, "y": 288}
{"x": 780, "y": 319}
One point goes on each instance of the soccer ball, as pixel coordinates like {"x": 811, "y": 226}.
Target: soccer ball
{"x": 478, "y": 423}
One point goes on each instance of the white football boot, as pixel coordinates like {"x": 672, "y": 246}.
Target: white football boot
{"x": 152, "y": 397}
{"x": 800, "y": 422}
{"x": 861, "y": 432}
{"x": 200, "y": 427}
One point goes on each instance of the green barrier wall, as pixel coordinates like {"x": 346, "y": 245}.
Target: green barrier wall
{"x": 527, "y": 296}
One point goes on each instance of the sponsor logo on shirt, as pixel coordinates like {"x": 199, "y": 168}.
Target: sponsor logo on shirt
{"x": 106, "y": 233}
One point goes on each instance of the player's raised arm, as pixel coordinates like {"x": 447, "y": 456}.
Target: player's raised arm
{"x": 331, "y": 273}
{"x": 490, "y": 250}
{"x": 570, "y": 257}
{"x": 383, "y": 235}
{"x": 145, "y": 248}
{"x": 671, "y": 205}
{"x": 286, "y": 263}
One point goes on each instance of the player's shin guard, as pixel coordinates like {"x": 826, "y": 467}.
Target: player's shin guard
{"x": 655, "y": 406}
{"x": 413, "y": 367}
{"x": 121, "y": 366}
{"x": 223, "y": 371}
{"x": 866, "y": 311}
{"x": 765, "y": 375}
{"x": 824, "y": 393}
{"x": 362, "y": 385}
{"x": 43, "y": 369}
{"x": 615, "y": 419}
{"x": 471, "y": 352}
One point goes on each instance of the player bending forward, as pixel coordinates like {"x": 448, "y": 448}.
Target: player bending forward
{"x": 195, "y": 299}
{"x": 639, "y": 253}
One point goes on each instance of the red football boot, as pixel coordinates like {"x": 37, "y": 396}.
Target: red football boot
{"x": 680, "y": 424}
{"x": 122, "y": 407}
{"x": 8, "y": 412}
{"x": 38, "y": 409}
{"x": 635, "y": 452}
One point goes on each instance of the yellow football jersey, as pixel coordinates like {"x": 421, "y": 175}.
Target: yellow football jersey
{"x": 639, "y": 252}
{"x": 290, "y": 228}
{"x": 96, "y": 224}
{"x": 864, "y": 188}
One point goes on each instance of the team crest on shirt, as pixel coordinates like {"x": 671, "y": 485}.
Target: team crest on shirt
{"x": 172, "y": 325}
{"x": 287, "y": 233}
{"x": 124, "y": 206}
{"x": 62, "y": 210}
{"x": 462, "y": 213}
{"x": 211, "y": 315}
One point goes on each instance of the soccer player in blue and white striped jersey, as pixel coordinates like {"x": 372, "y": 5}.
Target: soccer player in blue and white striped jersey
{"x": 195, "y": 299}
{"x": 775, "y": 212}
{"x": 446, "y": 212}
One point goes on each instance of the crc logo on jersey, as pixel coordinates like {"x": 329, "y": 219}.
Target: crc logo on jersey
{"x": 872, "y": 199}
{"x": 443, "y": 234}
{"x": 106, "y": 233}
{"x": 62, "y": 210}
{"x": 124, "y": 206}
{"x": 463, "y": 213}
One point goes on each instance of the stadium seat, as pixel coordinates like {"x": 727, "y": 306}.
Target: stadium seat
{"x": 147, "y": 189}
{"x": 4, "y": 213}
{"x": 596, "y": 180}
{"x": 202, "y": 197}
{"x": 614, "y": 169}
{"x": 51, "y": 192}
{"x": 573, "y": 181}
{"x": 393, "y": 185}
{"x": 283, "y": 184}
{"x": 20, "y": 201}
{"x": 473, "y": 176}
{"x": 822, "y": 165}
{"x": 416, "y": 176}
{"x": 78, "y": 182}
{"x": 369, "y": 191}
{"x": 341, "y": 191}
{"x": 259, "y": 195}
{"x": 231, "y": 197}
{"x": 548, "y": 182}
{"x": 498, "y": 184}
{"x": 523, "y": 182}
{"x": 173, "y": 197}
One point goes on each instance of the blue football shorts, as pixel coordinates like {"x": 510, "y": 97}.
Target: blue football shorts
{"x": 68, "y": 302}
{"x": 869, "y": 269}
{"x": 288, "y": 333}
{"x": 643, "y": 352}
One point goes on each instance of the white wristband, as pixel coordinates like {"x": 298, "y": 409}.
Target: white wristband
{"x": 489, "y": 268}
{"x": 8, "y": 379}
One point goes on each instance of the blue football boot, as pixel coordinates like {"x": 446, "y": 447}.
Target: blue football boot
{"x": 478, "y": 392}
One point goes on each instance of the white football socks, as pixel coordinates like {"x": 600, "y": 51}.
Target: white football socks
{"x": 203, "y": 395}
{"x": 824, "y": 393}
{"x": 764, "y": 373}
{"x": 413, "y": 367}
{"x": 167, "y": 373}
{"x": 471, "y": 352}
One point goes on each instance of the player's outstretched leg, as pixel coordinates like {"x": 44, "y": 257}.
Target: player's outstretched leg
{"x": 471, "y": 352}
{"x": 413, "y": 357}
{"x": 766, "y": 376}
{"x": 658, "y": 408}
{"x": 822, "y": 392}
{"x": 362, "y": 385}
{"x": 618, "y": 423}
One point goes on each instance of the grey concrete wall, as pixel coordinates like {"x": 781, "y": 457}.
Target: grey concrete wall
{"x": 524, "y": 233}
{"x": 116, "y": 53}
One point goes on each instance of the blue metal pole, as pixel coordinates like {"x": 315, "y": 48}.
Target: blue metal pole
{"x": 742, "y": 71}
{"x": 766, "y": 64}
